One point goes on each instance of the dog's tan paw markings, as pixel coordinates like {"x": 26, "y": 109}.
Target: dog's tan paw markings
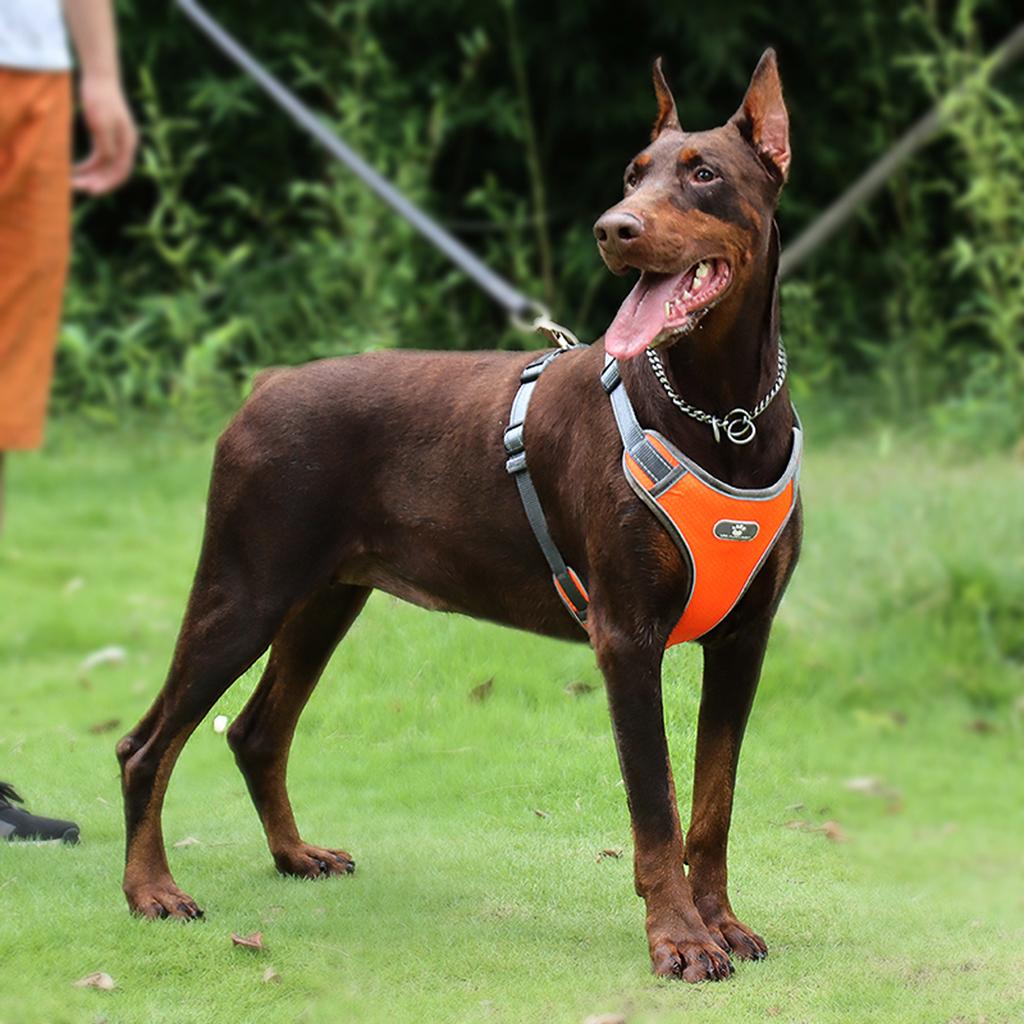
{"x": 691, "y": 961}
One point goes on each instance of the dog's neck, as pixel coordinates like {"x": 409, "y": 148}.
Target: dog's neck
{"x": 729, "y": 361}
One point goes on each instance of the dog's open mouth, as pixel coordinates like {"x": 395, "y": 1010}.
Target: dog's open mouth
{"x": 663, "y": 306}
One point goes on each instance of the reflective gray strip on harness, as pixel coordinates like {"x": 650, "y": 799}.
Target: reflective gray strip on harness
{"x": 568, "y": 587}
{"x": 634, "y": 440}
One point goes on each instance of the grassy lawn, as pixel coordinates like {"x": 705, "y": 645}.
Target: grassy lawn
{"x": 892, "y": 705}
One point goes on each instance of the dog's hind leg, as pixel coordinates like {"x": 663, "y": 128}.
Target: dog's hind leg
{"x": 221, "y": 636}
{"x": 255, "y": 567}
{"x": 731, "y": 672}
{"x": 261, "y": 736}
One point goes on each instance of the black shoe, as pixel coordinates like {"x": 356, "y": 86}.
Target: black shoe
{"x": 18, "y": 824}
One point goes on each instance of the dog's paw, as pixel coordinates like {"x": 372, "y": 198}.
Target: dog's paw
{"x": 697, "y": 958}
{"x": 732, "y": 934}
{"x": 739, "y": 940}
{"x": 305, "y": 861}
{"x": 161, "y": 899}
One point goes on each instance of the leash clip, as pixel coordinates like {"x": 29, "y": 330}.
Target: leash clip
{"x": 543, "y": 324}
{"x": 561, "y": 336}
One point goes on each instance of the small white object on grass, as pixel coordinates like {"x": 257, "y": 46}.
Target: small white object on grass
{"x": 220, "y": 723}
{"x": 112, "y": 655}
{"x": 73, "y": 585}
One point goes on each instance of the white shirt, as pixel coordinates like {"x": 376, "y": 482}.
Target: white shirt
{"x": 32, "y": 36}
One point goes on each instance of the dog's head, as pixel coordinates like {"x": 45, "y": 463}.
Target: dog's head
{"x": 697, "y": 213}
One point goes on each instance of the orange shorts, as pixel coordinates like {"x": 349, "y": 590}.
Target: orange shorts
{"x": 35, "y": 230}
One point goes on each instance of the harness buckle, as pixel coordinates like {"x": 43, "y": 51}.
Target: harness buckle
{"x": 515, "y": 464}
{"x": 573, "y": 594}
{"x": 611, "y": 377}
{"x": 533, "y": 370}
{"x": 513, "y": 439}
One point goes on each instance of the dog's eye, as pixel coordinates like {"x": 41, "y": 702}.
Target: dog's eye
{"x": 632, "y": 180}
{"x": 704, "y": 173}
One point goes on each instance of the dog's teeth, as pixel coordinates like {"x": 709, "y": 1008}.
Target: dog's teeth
{"x": 668, "y": 309}
{"x": 702, "y": 271}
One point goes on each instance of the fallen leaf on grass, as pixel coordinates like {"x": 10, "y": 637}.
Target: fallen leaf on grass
{"x": 982, "y": 726}
{"x": 187, "y": 841}
{"x": 254, "y": 941}
{"x": 578, "y": 688}
{"x": 483, "y": 691}
{"x": 833, "y": 831}
{"x": 616, "y": 854}
{"x": 111, "y": 655}
{"x": 270, "y": 975}
{"x": 98, "y": 979}
{"x": 107, "y": 725}
{"x": 540, "y": 813}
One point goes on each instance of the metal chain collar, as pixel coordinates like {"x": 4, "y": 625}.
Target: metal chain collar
{"x": 738, "y": 425}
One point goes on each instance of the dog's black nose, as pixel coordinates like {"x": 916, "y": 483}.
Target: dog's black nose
{"x": 617, "y": 227}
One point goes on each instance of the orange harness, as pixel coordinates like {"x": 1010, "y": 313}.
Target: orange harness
{"x": 724, "y": 532}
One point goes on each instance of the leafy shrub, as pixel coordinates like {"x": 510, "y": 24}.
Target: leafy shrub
{"x": 240, "y": 245}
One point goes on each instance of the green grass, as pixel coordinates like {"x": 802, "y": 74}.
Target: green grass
{"x": 898, "y": 654}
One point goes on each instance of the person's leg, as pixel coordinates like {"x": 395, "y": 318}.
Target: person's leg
{"x": 35, "y": 226}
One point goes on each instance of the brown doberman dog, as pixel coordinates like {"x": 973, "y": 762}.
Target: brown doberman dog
{"x": 386, "y": 471}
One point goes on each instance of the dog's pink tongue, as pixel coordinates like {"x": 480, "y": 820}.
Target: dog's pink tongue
{"x": 641, "y": 316}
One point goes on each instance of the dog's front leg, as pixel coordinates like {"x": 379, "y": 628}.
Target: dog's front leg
{"x": 680, "y": 943}
{"x": 732, "y": 668}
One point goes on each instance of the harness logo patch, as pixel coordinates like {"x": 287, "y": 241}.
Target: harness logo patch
{"x": 733, "y": 529}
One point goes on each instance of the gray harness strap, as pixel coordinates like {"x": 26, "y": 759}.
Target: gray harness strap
{"x": 634, "y": 440}
{"x": 568, "y": 586}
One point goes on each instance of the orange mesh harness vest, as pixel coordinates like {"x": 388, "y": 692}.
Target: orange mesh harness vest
{"x": 725, "y": 533}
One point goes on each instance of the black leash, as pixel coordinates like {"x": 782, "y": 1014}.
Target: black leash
{"x": 525, "y": 313}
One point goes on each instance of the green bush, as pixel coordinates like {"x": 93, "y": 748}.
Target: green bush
{"x": 240, "y": 244}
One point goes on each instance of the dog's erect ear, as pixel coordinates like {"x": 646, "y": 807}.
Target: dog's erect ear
{"x": 762, "y": 117}
{"x": 667, "y": 116}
